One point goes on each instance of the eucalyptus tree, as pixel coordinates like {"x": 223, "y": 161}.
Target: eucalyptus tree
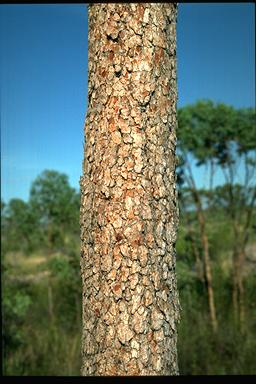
{"x": 220, "y": 137}
{"x": 129, "y": 213}
{"x": 56, "y": 206}
{"x": 20, "y": 227}
{"x": 196, "y": 138}
{"x": 238, "y": 163}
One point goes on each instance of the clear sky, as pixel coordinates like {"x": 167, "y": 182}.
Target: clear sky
{"x": 43, "y": 74}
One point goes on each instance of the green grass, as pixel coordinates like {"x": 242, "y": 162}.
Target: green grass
{"x": 42, "y": 319}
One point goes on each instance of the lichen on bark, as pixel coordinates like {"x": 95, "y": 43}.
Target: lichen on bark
{"x": 129, "y": 213}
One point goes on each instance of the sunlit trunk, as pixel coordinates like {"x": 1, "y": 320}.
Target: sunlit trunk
{"x": 129, "y": 212}
{"x": 208, "y": 272}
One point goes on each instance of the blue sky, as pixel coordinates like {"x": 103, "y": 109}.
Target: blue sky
{"x": 43, "y": 74}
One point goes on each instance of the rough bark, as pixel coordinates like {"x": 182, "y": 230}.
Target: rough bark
{"x": 129, "y": 212}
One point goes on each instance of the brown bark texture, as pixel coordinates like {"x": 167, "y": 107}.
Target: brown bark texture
{"x": 129, "y": 212}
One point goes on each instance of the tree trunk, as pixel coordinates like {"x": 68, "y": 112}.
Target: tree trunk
{"x": 208, "y": 279}
{"x": 196, "y": 253}
{"x": 129, "y": 212}
{"x": 199, "y": 266}
{"x": 235, "y": 273}
{"x": 50, "y": 302}
{"x": 238, "y": 288}
{"x": 241, "y": 292}
{"x": 207, "y": 269}
{"x": 241, "y": 237}
{"x": 205, "y": 247}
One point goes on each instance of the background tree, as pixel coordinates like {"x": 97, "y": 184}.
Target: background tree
{"x": 195, "y": 135}
{"x": 56, "y": 205}
{"x": 237, "y": 159}
{"x": 20, "y": 227}
{"x": 219, "y": 137}
{"x": 128, "y": 205}
{"x": 36, "y": 283}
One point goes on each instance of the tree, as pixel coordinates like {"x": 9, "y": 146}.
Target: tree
{"x": 238, "y": 165}
{"x": 19, "y": 226}
{"x": 129, "y": 213}
{"x": 56, "y": 205}
{"x": 196, "y": 137}
{"x": 219, "y": 136}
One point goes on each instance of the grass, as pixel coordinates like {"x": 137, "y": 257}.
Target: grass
{"x": 44, "y": 319}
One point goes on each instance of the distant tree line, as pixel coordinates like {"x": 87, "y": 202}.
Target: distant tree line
{"x": 47, "y": 221}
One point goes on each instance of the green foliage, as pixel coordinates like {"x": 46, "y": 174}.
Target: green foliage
{"x": 56, "y": 205}
{"x": 59, "y": 267}
{"x": 215, "y": 134}
{"x": 205, "y": 129}
{"x": 245, "y": 130}
{"x": 202, "y": 353}
{"x": 53, "y": 198}
{"x": 20, "y": 228}
{"x": 42, "y": 307}
{"x": 49, "y": 220}
{"x": 42, "y": 332}
{"x": 16, "y": 303}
